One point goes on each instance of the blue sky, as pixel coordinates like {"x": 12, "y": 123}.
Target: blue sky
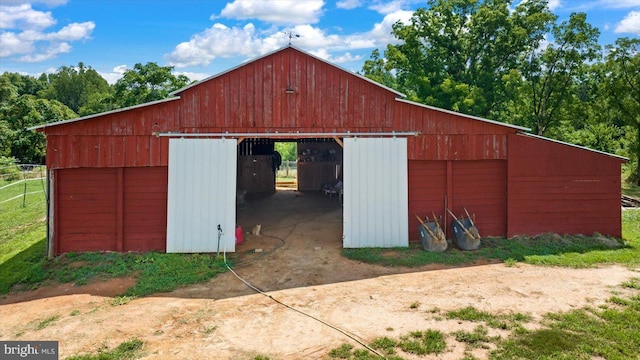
{"x": 203, "y": 38}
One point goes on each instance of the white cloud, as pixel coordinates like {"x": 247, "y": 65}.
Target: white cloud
{"x": 23, "y": 17}
{"x": 11, "y": 44}
{"x": 554, "y": 4}
{"x": 49, "y": 53}
{"x": 114, "y": 75}
{"x": 630, "y": 23}
{"x": 348, "y": 4}
{"x": 381, "y": 32}
{"x": 193, "y": 75}
{"x": 275, "y": 11}
{"x": 74, "y": 32}
{"x": 618, "y": 4}
{"x": 340, "y": 59}
{"x": 27, "y": 33}
{"x": 221, "y": 41}
{"x": 388, "y": 7}
{"x": 217, "y": 41}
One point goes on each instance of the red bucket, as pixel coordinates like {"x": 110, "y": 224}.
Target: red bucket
{"x": 238, "y": 235}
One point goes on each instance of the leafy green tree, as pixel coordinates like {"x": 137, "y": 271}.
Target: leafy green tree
{"x": 22, "y": 84}
{"x": 145, "y": 83}
{"x": 550, "y": 72}
{"x": 287, "y": 150}
{"x": 455, "y": 53}
{"x": 21, "y": 113}
{"x": 623, "y": 86}
{"x": 376, "y": 69}
{"x": 76, "y": 87}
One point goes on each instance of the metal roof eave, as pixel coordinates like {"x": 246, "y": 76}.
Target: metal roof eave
{"x": 575, "y": 146}
{"x": 38, "y": 127}
{"x": 521, "y": 128}
{"x": 282, "y": 49}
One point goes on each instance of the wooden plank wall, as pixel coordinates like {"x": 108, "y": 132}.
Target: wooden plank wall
{"x": 562, "y": 189}
{"x": 427, "y": 190}
{"x": 480, "y": 186}
{"x": 85, "y": 202}
{"x": 252, "y": 98}
{"x": 110, "y": 209}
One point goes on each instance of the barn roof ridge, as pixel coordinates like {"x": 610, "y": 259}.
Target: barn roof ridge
{"x": 87, "y": 117}
{"x": 277, "y": 51}
{"x": 574, "y": 145}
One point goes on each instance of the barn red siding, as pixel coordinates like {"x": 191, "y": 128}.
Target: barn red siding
{"x": 427, "y": 181}
{"x": 86, "y": 210}
{"x": 563, "y": 189}
{"x": 145, "y": 208}
{"x": 478, "y": 186}
{"x": 110, "y": 209}
{"x": 481, "y": 188}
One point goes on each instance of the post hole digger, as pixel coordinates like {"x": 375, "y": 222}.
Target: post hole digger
{"x": 465, "y": 232}
{"x": 431, "y": 234}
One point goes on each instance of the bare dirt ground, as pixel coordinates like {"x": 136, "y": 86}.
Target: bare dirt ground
{"x": 300, "y": 265}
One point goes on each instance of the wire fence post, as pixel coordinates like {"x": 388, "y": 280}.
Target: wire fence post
{"x": 24, "y": 194}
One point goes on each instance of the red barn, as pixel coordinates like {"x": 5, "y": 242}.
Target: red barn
{"x": 162, "y": 175}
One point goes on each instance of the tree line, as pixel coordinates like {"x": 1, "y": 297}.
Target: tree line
{"x": 481, "y": 57}
{"x": 70, "y": 92}
{"x": 520, "y": 66}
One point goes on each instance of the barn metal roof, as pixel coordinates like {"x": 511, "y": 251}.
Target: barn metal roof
{"x": 521, "y": 128}
{"x": 574, "y": 145}
{"x": 282, "y": 49}
{"x": 103, "y": 113}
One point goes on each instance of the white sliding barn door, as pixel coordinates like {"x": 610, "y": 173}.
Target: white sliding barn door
{"x": 201, "y": 195}
{"x": 375, "y": 193}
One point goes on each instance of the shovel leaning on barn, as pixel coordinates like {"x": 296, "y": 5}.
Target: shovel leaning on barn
{"x": 465, "y": 232}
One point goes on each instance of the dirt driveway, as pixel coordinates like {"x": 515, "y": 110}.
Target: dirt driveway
{"x": 299, "y": 265}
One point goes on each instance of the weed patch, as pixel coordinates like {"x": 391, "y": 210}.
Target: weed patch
{"x": 423, "y": 342}
{"x": 128, "y": 350}
{"x": 610, "y": 332}
{"x": 504, "y": 322}
{"x": 46, "y": 322}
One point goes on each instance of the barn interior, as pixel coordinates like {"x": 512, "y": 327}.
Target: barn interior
{"x": 271, "y": 212}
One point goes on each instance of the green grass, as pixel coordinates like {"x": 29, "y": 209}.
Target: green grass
{"x": 154, "y": 272}
{"x": 21, "y": 226}
{"x": 630, "y": 189}
{"x": 547, "y": 249}
{"x": 128, "y": 350}
{"x": 46, "y": 322}
{"x": 609, "y": 333}
{"x": 505, "y": 321}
